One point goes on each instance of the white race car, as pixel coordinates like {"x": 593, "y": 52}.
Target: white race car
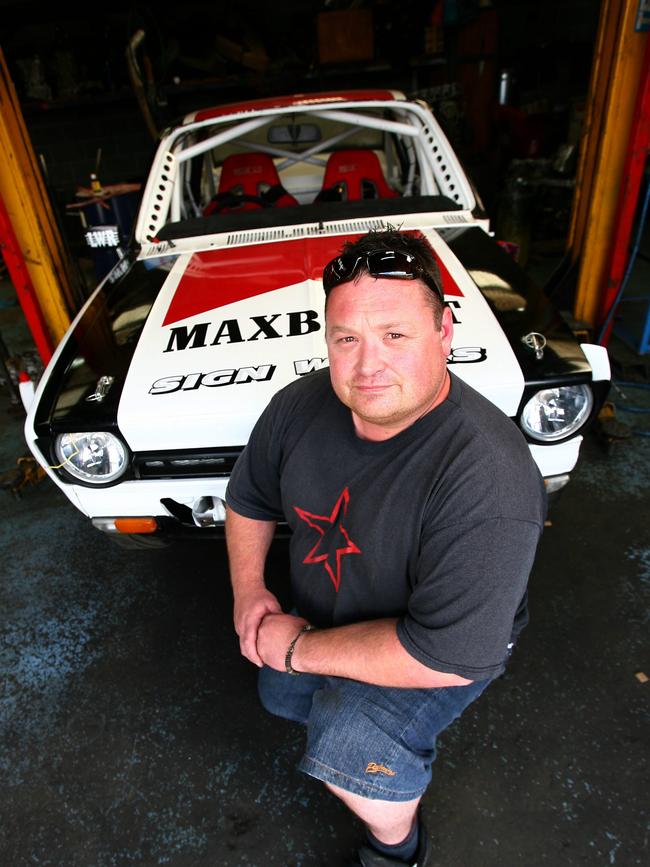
{"x": 218, "y": 303}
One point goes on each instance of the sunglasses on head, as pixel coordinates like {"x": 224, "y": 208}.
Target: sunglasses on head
{"x": 388, "y": 264}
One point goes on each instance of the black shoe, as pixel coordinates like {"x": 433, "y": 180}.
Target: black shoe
{"x": 369, "y": 857}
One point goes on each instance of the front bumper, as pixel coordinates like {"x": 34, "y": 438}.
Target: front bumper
{"x": 170, "y": 501}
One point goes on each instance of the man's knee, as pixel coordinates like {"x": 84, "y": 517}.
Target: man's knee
{"x": 286, "y": 696}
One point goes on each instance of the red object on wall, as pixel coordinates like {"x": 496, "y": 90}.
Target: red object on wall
{"x": 15, "y": 262}
{"x": 637, "y": 152}
{"x": 345, "y": 36}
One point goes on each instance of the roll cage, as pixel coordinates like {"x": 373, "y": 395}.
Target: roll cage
{"x": 414, "y": 153}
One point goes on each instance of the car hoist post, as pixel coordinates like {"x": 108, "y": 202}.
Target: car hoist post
{"x": 616, "y": 76}
{"x": 617, "y": 261}
{"x": 37, "y": 253}
{"x": 17, "y": 268}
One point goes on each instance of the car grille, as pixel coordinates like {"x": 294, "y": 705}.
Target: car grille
{"x": 185, "y": 464}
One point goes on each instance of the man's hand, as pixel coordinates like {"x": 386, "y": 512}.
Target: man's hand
{"x": 275, "y": 634}
{"x": 250, "y": 609}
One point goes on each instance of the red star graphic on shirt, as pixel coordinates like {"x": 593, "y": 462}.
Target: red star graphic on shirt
{"x": 330, "y": 526}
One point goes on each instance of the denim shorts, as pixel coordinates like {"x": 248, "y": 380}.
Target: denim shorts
{"x": 377, "y": 742}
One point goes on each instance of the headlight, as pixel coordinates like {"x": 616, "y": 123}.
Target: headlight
{"x": 95, "y": 457}
{"x": 555, "y": 413}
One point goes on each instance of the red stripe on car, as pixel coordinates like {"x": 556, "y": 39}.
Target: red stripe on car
{"x": 215, "y": 278}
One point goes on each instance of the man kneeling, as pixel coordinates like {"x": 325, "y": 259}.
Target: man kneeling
{"x": 415, "y": 509}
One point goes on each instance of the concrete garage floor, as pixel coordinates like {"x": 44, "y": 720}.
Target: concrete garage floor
{"x": 130, "y": 732}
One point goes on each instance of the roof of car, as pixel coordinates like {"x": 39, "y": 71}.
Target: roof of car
{"x": 298, "y": 100}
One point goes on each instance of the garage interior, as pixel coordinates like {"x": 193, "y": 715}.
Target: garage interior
{"x": 130, "y": 727}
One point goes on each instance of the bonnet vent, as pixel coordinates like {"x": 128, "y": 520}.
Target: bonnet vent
{"x": 454, "y": 218}
{"x": 261, "y": 236}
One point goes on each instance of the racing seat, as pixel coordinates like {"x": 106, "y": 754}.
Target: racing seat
{"x": 249, "y": 181}
{"x": 354, "y": 174}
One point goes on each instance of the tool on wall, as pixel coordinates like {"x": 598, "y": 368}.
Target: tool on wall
{"x": 143, "y": 87}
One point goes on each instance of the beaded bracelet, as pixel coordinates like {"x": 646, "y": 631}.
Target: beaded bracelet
{"x": 287, "y": 659}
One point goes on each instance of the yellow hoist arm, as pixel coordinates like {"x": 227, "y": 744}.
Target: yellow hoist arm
{"x": 30, "y": 212}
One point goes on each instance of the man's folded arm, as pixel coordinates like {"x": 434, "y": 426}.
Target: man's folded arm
{"x": 370, "y": 652}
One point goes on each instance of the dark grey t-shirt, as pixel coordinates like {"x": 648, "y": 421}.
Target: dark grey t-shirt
{"x": 437, "y": 526}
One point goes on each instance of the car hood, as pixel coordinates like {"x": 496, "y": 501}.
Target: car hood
{"x": 231, "y": 326}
